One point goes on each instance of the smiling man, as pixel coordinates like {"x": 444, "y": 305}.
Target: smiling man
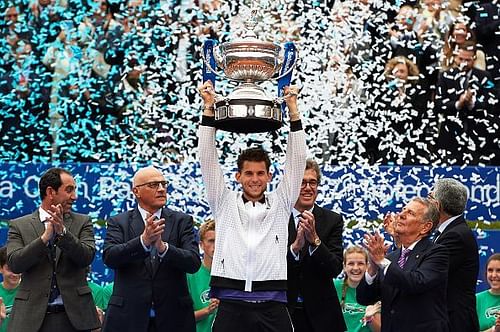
{"x": 410, "y": 281}
{"x": 249, "y": 267}
{"x": 314, "y": 259}
{"x": 151, "y": 248}
{"x": 52, "y": 248}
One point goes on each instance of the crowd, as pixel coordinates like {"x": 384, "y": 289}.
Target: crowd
{"x": 386, "y": 82}
{"x": 270, "y": 259}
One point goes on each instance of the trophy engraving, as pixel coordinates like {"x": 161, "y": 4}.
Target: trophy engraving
{"x": 248, "y": 60}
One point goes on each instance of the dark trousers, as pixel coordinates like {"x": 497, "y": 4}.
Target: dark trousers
{"x": 57, "y": 322}
{"x": 252, "y": 317}
{"x": 300, "y": 321}
{"x": 152, "y": 325}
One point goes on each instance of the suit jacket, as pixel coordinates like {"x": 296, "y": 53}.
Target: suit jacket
{"x": 311, "y": 276}
{"x": 413, "y": 298}
{"x": 462, "y": 275}
{"x": 138, "y": 286}
{"x": 27, "y": 254}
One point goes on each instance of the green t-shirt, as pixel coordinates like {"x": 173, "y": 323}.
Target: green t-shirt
{"x": 199, "y": 287}
{"x": 487, "y": 305}
{"x": 96, "y": 294}
{"x": 8, "y": 296}
{"x": 353, "y": 312}
{"x": 107, "y": 290}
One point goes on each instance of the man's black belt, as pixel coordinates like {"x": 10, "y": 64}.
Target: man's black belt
{"x": 55, "y": 308}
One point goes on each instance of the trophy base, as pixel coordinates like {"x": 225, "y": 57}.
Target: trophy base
{"x": 247, "y": 115}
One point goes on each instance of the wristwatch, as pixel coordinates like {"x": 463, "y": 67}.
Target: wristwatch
{"x": 60, "y": 235}
{"x": 317, "y": 242}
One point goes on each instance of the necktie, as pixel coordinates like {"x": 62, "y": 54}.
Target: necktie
{"x": 54, "y": 288}
{"x": 154, "y": 253}
{"x": 403, "y": 257}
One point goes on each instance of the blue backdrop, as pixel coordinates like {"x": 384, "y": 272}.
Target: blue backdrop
{"x": 362, "y": 194}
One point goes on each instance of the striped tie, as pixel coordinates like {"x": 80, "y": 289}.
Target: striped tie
{"x": 403, "y": 257}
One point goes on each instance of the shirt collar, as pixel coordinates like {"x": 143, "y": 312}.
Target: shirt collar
{"x": 296, "y": 212}
{"x": 44, "y": 215}
{"x": 145, "y": 214}
{"x": 411, "y": 246}
{"x": 262, "y": 200}
{"x": 445, "y": 224}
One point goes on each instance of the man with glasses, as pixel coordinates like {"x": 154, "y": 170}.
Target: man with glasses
{"x": 151, "y": 248}
{"x": 314, "y": 259}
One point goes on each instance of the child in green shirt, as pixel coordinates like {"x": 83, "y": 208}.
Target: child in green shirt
{"x": 199, "y": 282}
{"x": 8, "y": 287}
{"x": 488, "y": 302}
{"x": 358, "y": 318}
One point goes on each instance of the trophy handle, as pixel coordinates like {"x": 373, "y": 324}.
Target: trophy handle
{"x": 292, "y": 67}
{"x": 293, "y": 52}
{"x": 209, "y": 63}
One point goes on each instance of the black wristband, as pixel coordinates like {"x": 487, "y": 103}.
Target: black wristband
{"x": 296, "y": 125}
{"x": 208, "y": 121}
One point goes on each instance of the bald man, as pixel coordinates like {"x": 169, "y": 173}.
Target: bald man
{"x": 151, "y": 248}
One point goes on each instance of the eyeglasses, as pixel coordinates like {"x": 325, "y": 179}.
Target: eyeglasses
{"x": 431, "y": 196}
{"x": 153, "y": 184}
{"x": 312, "y": 183}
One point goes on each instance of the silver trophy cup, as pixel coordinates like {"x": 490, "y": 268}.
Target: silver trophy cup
{"x": 248, "y": 108}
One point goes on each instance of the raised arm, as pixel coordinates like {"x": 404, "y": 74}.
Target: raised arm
{"x": 295, "y": 163}
{"x": 212, "y": 174}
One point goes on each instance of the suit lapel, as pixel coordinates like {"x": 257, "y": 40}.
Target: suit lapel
{"x": 292, "y": 231}
{"x": 169, "y": 223}
{"x": 68, "y": 223}
{"x": 318, "y": 220}
{"x": 135, "y": 229}
{"x": 37, "y": 224}
{"x": 136, "y": 226}
{"x": 39, "y": 227}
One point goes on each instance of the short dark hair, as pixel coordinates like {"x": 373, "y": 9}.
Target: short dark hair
{"x": 468, "y": 45}
{"x": 312, "y": 164}
{"x": 51, "y": 178}
{"x": 3, "y": 256}
{"x": 253, "y": 154}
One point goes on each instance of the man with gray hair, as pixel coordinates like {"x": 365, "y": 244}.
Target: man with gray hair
{"x": 453, "y": 232}
{"x": 411, "y": 280}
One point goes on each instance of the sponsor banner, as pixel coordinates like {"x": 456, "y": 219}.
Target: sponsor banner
{"x": 359, "y": 193}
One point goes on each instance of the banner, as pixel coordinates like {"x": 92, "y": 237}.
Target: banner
{"x": 359, "y": 193}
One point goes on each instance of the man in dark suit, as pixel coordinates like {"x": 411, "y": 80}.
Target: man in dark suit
{"x": 150, "y": 248}
{"x": 314, "y": 258}
{"x": 52, "y": 248}
{"x": 454, "y": 233}
{"x": 410, "y": 281}
{"x": 467, "y": 99}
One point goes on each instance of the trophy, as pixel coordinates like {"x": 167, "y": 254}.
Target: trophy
{"x": 248, "y": 60}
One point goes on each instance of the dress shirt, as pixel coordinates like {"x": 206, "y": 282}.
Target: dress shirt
{"x": 384, "y": 265}
{"x": 145, "y": 214}
{"x": 44, "y": 215}
{"x": 296, "y": 214}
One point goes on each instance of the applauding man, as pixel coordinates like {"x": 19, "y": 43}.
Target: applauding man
{"x": 151, "y": 248}
{"x": 410, "y": 281}
{"x": 52, "y": 248}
